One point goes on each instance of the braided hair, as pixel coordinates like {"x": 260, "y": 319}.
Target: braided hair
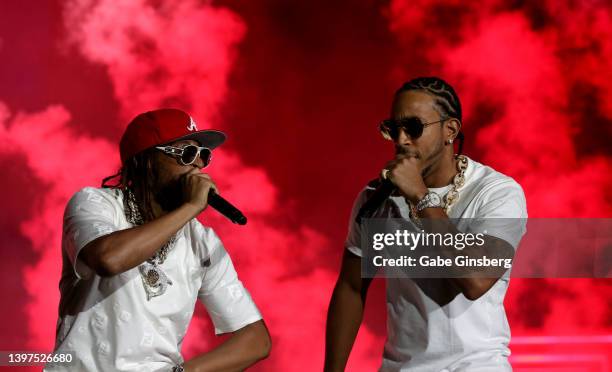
{"x": 446, "y": 100}
{"x": 137, "y": 174}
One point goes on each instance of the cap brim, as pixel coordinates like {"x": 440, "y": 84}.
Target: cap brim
{"x": 208, "y": 138}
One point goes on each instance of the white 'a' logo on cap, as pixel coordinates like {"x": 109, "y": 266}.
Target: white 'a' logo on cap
{"x": 192, "y": 125}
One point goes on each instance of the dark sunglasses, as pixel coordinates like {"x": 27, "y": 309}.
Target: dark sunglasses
{"x": 189, "y": 154}
{"x": 411, "y": 126}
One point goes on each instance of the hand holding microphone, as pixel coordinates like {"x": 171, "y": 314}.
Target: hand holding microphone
{"x": 200, "y": 190}
{"x": 402, "y": 173}
{"x": 196, "y": 187}
{"x": 406, "y": 174}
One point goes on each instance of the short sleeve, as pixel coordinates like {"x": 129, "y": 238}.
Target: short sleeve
{"x": 89, "y": 215}
{"x": 503, "y": 213}
{"x": 353, "y": 238}
{"x": 227, "y": 301}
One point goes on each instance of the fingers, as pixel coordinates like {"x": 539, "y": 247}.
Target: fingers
{"x": 400, "y": 162}
{"x": 196, "y": 187}
{"x": 214, "y": 187}
{"x": 201, "y": 177}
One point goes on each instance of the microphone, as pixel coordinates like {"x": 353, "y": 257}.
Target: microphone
{"x": 382, "y": 192}
{"x": 226, "y": 208}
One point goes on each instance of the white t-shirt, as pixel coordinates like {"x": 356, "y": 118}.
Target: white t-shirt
{"x": 430, "y": 325}
{"x": 107, "y": 322}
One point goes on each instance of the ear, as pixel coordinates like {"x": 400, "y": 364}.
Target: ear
{"x": 452, "y": 127}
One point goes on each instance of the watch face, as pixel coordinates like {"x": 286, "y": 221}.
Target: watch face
{"x": 434, "y": 199}
{"x": 431, "y": 200}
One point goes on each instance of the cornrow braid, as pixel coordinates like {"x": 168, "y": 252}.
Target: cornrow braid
{"x": 446, "y": 99}
{"x": 445, "y": 96}
{"x": 137, "y": 174}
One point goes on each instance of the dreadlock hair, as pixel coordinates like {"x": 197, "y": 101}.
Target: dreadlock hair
{"x": 138, "y": 175}
{"x": 446, "y": 100}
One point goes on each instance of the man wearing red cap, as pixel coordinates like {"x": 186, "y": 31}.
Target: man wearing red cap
{"x": 135, "y": 260}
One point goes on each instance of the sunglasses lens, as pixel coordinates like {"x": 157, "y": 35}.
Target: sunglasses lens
{"x": 189, "y": 154}
{"x": 412, "y": 126}
{"x": 388, "y": 129}
{"x": 205, "y": 155}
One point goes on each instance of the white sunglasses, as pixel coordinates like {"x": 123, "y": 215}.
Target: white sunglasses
{"x": 189, "y": 154}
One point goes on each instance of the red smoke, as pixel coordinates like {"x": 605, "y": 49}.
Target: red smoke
{"x": 299, "y": 88}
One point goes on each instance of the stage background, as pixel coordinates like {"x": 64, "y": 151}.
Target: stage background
{"x": 299, "y": 86}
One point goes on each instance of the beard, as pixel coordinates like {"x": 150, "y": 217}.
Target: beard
{"x": 169, "y": 196}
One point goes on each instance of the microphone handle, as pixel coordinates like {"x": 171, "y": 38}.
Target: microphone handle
{"x": 226, "y": 208}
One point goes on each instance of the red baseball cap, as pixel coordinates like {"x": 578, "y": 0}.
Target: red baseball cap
{"x": 158, "y": 127}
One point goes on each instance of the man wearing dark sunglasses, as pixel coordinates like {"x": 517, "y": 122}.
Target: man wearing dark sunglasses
{"x": 455, "y": 323}
{"x": 136, "y": 259}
